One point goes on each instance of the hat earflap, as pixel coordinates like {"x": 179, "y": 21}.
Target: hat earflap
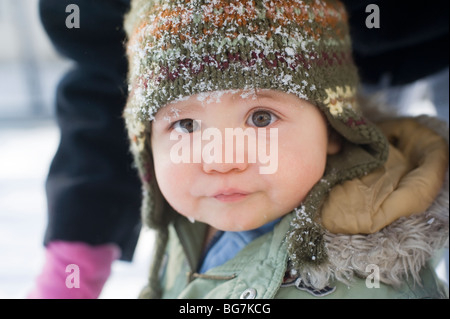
{"x": 363, "y": 150}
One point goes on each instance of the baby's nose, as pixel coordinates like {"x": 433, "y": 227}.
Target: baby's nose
{"x": 223, "y": 167}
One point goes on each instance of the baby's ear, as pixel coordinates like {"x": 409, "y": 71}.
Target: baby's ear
{"x": 334, "y": 142}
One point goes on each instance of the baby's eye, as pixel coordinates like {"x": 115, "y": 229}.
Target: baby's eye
{"x": 261, "y": 118}
{"x": 186, "y": 126}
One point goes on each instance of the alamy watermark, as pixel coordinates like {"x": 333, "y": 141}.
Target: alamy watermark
{"x": 373, "y": 19}
{"x": 73, "y": 19}
{"x": 373, "y": 279}
{"x": 262, "y": 147}
{"x": 73, "y": 279}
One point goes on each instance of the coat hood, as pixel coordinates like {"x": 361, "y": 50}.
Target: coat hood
{"x": 395, "y": 218}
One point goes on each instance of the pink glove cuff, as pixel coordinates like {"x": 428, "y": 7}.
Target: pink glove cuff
{"x": 74, "y": 270}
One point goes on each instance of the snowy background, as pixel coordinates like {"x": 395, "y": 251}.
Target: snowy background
{"x": 29, "y": 73}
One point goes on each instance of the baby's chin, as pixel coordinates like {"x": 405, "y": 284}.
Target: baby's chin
{"x": 238, "y": 226}
{"x": 235, "y": 226}
{"x": 232, "y": 217}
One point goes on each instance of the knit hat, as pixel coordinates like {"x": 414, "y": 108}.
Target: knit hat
{"x": 179, "y": 48}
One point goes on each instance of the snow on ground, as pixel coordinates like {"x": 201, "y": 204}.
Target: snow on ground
{"x": 26, "y": 149}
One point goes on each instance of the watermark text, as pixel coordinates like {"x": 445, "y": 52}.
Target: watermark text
{"x": 73, "y": 279}
{"x": 373, "y": 19}
{"x": 73, "y": 19}
{"x": 237, "y": 146}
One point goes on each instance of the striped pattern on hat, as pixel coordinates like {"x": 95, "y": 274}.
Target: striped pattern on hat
{"x": 181, "y": 48}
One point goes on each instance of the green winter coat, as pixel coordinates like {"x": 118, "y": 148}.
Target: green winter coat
{"x": 391, "y": 262}
{"x": 258, "y": 271}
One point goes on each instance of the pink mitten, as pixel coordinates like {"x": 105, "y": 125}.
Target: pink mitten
{"x": 74, "y": 270}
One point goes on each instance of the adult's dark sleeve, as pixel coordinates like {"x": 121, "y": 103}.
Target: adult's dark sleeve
{"x": 93, "y": 191}
{"x": 411, "y": 42}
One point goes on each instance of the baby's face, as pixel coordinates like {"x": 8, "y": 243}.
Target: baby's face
{"x": 197, "y": 164}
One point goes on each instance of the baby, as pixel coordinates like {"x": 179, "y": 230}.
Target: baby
{"x": 260, "y": 173}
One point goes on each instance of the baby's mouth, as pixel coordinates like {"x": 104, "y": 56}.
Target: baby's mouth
{"x": 230, "y": 195}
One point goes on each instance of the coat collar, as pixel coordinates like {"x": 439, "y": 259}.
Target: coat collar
{"x": 268, "y": 253}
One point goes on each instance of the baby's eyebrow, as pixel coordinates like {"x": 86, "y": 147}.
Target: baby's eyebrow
{"x": 266, "y": 94}
{"x": 257, "y": 94}
{"x": 177, "y": 110}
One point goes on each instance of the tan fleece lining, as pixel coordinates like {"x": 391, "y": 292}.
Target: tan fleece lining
{"x": 407, "y": 184}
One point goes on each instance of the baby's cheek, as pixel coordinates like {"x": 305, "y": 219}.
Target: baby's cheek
{"x": 174, "y": 181}
{"x": 296, "y": 176}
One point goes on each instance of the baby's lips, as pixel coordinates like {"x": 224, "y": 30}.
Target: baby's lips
{"x": 230, "y": 195}
{"x": 229, "y": 192}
